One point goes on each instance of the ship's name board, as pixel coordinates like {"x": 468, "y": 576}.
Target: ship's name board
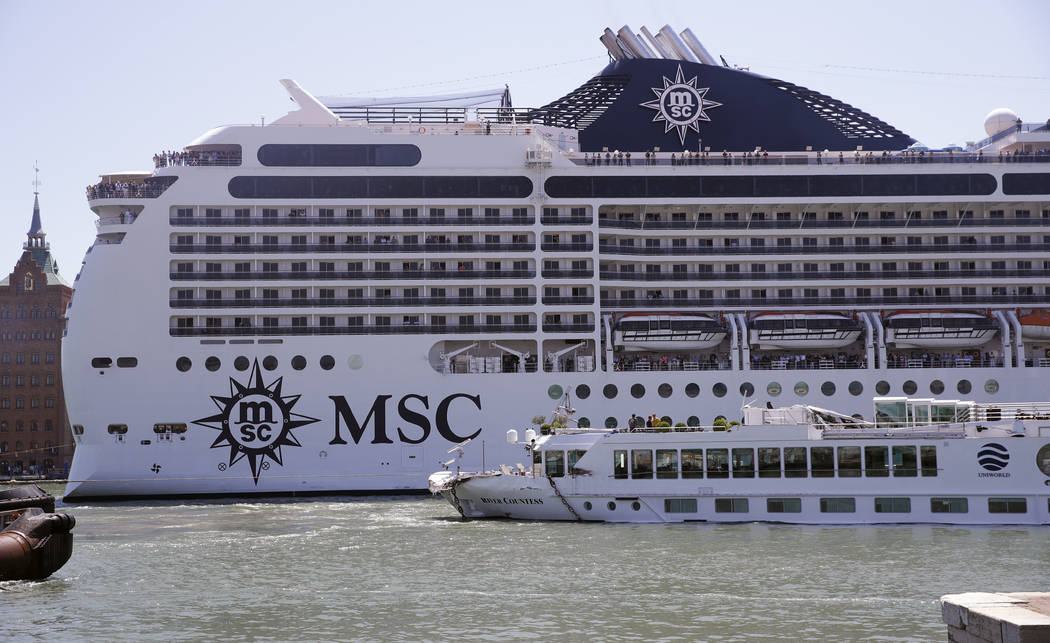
{"x": 512, "y": 501}
{"x": 413, "y": 425}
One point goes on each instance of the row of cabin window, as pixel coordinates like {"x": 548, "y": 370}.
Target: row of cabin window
{"x": 772, "y": 462}
{"x": 359, "y": 213}
{"x": 849, "y": 505}
{"x": 884, "y": 215}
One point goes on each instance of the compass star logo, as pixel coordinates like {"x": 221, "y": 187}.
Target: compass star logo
{"x": 680, "y": 104}
{"x": 255, "y": 421}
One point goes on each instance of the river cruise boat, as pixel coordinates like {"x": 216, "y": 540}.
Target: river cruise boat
{"x": 918, "y": 461}
{"x": 327, "y": 302}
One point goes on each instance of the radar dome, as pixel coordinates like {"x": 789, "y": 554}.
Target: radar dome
{"x": 999, "y": 119}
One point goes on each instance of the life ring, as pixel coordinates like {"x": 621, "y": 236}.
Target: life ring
{"x": 422, "y": 130}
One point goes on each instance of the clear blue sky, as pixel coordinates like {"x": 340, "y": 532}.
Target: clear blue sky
{"x": 92, "y": 87}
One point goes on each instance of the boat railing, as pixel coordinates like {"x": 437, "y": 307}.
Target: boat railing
{"x": 998, "y": 136}
{"x": 738, "y": 159}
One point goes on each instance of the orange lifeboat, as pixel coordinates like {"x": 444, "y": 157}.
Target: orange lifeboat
{"x": 1036, "y": 325}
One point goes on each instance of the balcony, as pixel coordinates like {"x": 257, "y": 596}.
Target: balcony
{"x": 343, "y": 222}
{"x": 852, "y": 302}
{"x": 276, "y": 248}
{"x": 568, "y": 274}
{"x": 410, "y": 329}
{"x": 315, "y": 275}
{"x": 566, "y": 247}
{"x": 149, "y": 187}
{"x": 331, "y": 302}
{"x": 588, "y": 300}
{"x": 566, "y": 220}
{"x": 817, "y": 224}
{"x": 609, "y": 275}
{"x": 568, "y": 328}
{"x": 610, "y": 249}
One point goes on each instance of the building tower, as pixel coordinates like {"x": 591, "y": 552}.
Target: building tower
{"x": 35, "y": 437}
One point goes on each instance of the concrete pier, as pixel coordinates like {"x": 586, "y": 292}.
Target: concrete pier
{"x": 981, "y": 617}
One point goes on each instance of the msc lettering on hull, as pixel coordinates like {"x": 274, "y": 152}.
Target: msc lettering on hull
{"x": 414, "y": 421}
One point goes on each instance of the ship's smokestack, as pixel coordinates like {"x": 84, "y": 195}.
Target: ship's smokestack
{"x": 677, "y": 45}
{"x": 609, "y": 40}
{"x": 656, "y": 44}
{"x": 630, "y": 43}
{"x": 698, "y": 48}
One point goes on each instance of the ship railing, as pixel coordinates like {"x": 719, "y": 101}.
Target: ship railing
{"x": 998, "y": 136}
{"x": 563, "y": 274}
{"x": 737, "y": 159}
{"x": 942, "y": 361}
{"x": 568, "y": 220}
{"x": 852, "y": 302}
{"x": 348, "y": 247}
{"x": 403, "y": 329}
{"x": 316, "y": 275}
{"x": 568, "y": 328}
{"x": 350, "y": 302}
{"x": 551, "y": 246}
{"x": 197, "y": 159}
{"x": 810, "y": 223}
{"x": 589, "y": 299}
{"x": 821, "y": 364}
{"x": 671, "y": 365}
{"x": 882, "y": 275}
{"x": 611, "y": 249}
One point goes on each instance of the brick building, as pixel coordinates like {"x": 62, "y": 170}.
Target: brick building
{"x": 35, "y": 436}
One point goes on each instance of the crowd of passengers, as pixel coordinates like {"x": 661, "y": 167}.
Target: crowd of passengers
{"x": 761, "y": 157}
{"x": 172, "y": 158}
{"x": 925, "y": 359}
{"x": 120, "y": 189}
{"x": 804, "y": 361}
{"x": 656, "y": 362}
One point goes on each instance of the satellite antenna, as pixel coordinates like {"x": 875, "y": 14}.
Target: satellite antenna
{"x": 458, "y": 450}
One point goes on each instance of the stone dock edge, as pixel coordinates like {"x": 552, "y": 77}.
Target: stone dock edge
{"x": 985, "y": 617}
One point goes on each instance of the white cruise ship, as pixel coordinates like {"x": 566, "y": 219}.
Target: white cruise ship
{"x": 331, "y": 301}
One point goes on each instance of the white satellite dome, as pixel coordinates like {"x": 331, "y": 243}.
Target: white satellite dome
{"x": 999, "y": 119}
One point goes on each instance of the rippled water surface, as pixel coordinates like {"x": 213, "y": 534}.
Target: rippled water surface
{"x": 409, "y": 569}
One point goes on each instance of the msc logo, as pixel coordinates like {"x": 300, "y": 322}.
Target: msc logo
{"x": 993, "y": 456}
{"x": 255, "y": 421}
{"x": 680, "y": 104}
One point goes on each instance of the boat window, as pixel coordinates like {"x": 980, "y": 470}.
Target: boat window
{"x": 183, "y": 364}
{"x": 101, "y": 362}
{"x": 329, "y": 155}
{"x": 169, "y": 427}
{"x": 127, "y": 362}
{"x": 641, "y": 463}
{"x": 583, "y": 391}
{"x": 610, "y": 422}
{"x": 876, "y": 462}
{"x": 795, "y": 462}
{"x": 768, "y": 462}
{"x": 609, "y": 391}
{"x": 849, "y": 462}
{"x": 1042, "y": 459}
{"x": 949, "y": 505}
{"x": 692, "y": 389}
{"x": 693, "y": 463}
{"x": 731, "y": 505}
{"x": 117, "y": 429}
{"x": 666, "y": 463}
{"x": 892, "y": 505}
{"x": 890, "y": 414}
{"x": 620, "y": 464}
{"x": 680, "y": 505}
{"x": 784, "y": 505}
{"x": 928, "y": 456}
{"x": 1007, "y": 506}
{"x": 904, "y": 464}
{"x": 1026, "y": 183}
{"x": 838, "y": 505}
{"x": 743, "y": 463}
{"x": 943, "y": 413}
{"x": 719, "y": 389}
{"x": 718, "y": 463}
{"x": 574, "y": 457}
{"x": 380, "y": 187}
{"x": 555, "y": 463}
{"x": 823, "y": 461}
{"x": 964, "y": 387}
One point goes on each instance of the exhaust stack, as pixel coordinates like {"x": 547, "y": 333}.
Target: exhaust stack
{"x": 677, "y": 45}
{"x": 698, "y": 48}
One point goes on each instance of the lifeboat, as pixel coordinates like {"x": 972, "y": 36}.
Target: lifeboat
{"x": 803, "y": 330}
{"x": 642, "y": 332}
{"x": 35, "y": 541}
{"x": 938, "y": 329}
{"x": 1036, "y": 325}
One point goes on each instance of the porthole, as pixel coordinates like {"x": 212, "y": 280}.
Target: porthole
{"x": 355, "y": 362}
{"x": 584, "y": 423}
{"x": 936, "y": 387}
{"x": 241, "y": 363}
{"x": 801, "y": 389}
{"x": 587, "y": 506}
{"x": 1042, "y": 459}
{"x": 583, "y": 391}
{"x": 693, "y": 421}
{"x": 747, "y": 389}
{"x": 555, "y": 391}
{"x": 637, "y": 390}
{"x": 270, "y": 362}
{"x": 101, "y": 362}
{"x": 664, "y": 390}
{"x": 719, "y": 390}
{"x": 828, "y": 388}
{"x": 773, "y": 389}
{"x": 610, "y": 422}
{"x": 611, "y": 506}
{"x": 184, "y": 364}
{"x": 964, "y": 387}
{"x": 327, "y": 362}
{"x": 127, "y": 362}
{"x": 212, "y": 363}
{"x": 298, "y": 362}
{"x": 609, "y": 391}
{"x": 882, "y": 387}
{"x": 991, "y": 386}
{"x": 636, "y": 505}
{"x": 855, "y": 388}
{"x": 692, "y": 389}
{"x": 666, "y": 418}
{"x": 909, "y": 387}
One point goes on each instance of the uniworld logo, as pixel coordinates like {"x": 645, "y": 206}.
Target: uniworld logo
{"x": 680, "y": 104}
{"x": 255, "y": 421}
{"x": 993, "y": 456}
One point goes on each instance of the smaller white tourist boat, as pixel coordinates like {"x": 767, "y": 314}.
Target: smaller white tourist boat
{"x": 919, "y": 461}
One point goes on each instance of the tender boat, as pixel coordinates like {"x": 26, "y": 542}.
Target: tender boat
{"x": 668, "y": 332}
{"x": 804, "y": 330}
{"x": 919, "y": 461}
{"x": 1035, "y": 325}
{"x": 939, "y": 329}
